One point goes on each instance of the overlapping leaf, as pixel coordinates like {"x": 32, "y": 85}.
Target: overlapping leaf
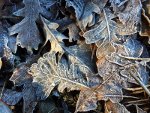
{"x": 26, "y": 30}
{"x": 130, "y": 18}
{"x": 115, "y": 108}
{"x": 11, "y": 97}
{"x": 104, "y": 31}
{"x": 88, "y": 98}
{"x": 88, "y": 17}
{"x": 145, "y": 24}
{"x": 112, "y": 69}
{"x": 7, "y": 47}
{"x": 78, "y": 5}
{"x": 80, "y": 53}
{"x": 82, "y": 37}
{"x": 49, "y": 72}
{"x": 21, "y": 77}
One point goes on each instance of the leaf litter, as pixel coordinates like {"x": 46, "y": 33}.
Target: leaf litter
{"x": 74, "y": 56}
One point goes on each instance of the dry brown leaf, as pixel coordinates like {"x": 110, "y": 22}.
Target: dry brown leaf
{"x": 88, "y": 98}
{"x": 130, "y": 18}
{"x": 145, "y": 22}
{"x": 48, "y": 73}
{"x": 104, "y": 31}
{"x": 115, "y": 108}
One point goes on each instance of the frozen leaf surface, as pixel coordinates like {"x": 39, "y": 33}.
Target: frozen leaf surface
{"x": 26, "y": 30}
{"x": 88, "y": 17}
{"x": 48, "y": 73}
{"x": 80, "y": 53}
{"x": 11, "y": 97}
{"x": 20, "y": 77}
{"x": 130, "y": 17}
{"x": 88, "y": 98}
{"x": 78, "y": 5}
{"x": 105, "y": 31}
{"x": 115, "y": 108}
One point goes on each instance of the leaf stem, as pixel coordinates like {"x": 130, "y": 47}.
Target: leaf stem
{"x": 107, "y": 23}
{"x": 140, "y": 82}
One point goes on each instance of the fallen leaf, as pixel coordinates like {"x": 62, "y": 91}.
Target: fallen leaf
{"x": 88, "y": 98}
{"x": 48, "y": 73}
{"x": 80, "y": 53}
{"x": 11, "y": 97}
{"x": 105, "y": 31}
{"x": 115, "y": 108}
{"x": 130, "y": 18}
{"x": 26, "y": 30}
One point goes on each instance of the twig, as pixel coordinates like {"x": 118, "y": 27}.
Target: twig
{"x": 138, "y": 81}
{"x": 133, "y": 58}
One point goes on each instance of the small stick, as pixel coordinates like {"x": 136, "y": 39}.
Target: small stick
{"x": 136, "y": 89}
{"x": 133, "y": 58}
{"x": 138, "y": 81}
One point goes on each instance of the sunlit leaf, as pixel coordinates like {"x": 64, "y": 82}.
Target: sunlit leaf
{"x": 48, "y": 73}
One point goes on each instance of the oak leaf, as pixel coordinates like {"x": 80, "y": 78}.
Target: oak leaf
{"x": 104, "y": 31}
{"x": 88, "y": 98}
{"x": 80, "y": 53}
{"x": 48, "y": 73}
{"x": 26, "y": 30}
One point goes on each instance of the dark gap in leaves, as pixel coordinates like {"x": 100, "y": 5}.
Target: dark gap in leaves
{"x": 62, "y": 7}
{"x": 7, "y": 65}
{"x": 16, "y": 1}
{"x": 9, "y": 84}
{"x": 108, "y": 4}
{"x": 22, "y": 53}
{"x": 60, "y": 15}
{"x": 46, "y": 48}
{"x": 97, "y": 17}
{"x": 66, "y": 32}
{"x": 116, "y": 19}
{"x": 70, "y": 98}
{"x": 144, "y": 41}
{"x": 14, "y": 20}
{"x": 132, "y": 109}
{"x": 18, "y": 88}
{"x": 63, "y": 3}
{"x": 18, "y": 107}
{"x": 1, "y": 80}
{"x": 36, "y": 110}
{"x": 57, "y": 56}
{"x": 101, "y": 105}
{"x": 71, "y": 11}
{"x": 67, "y": 43}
